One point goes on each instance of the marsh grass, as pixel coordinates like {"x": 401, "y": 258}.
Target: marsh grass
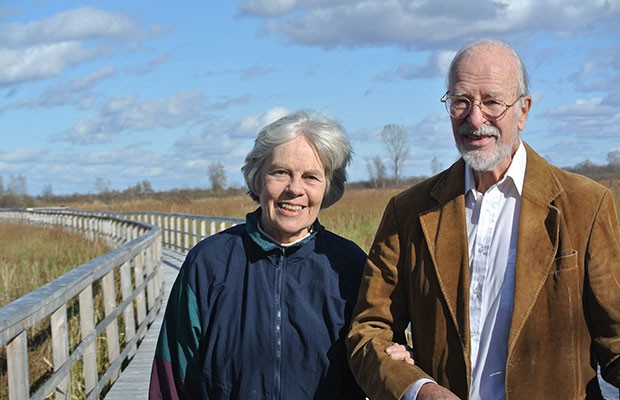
{"x": 29, "y": 258}
{"x": 355, "y": 216}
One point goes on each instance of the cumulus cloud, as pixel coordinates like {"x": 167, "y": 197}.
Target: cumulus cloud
{"x": 45, "y": 48}
{"x": 129, "y": 113}
{"x": 74, "y": 92}
{"x": 422, "y": 23}
{"x": 587, "y": 118}
{"x": 251, "y": 124}
{"x": 67, "y": 26}
{"x": 437, "y": 64}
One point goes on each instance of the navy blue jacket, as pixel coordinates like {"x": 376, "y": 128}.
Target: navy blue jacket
{"x": 249, "y": 319}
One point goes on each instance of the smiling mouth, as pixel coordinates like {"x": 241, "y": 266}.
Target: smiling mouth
{"x": 290, "y": 207}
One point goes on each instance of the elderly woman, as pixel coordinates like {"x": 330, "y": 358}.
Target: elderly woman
{"x": 260, "y": 311}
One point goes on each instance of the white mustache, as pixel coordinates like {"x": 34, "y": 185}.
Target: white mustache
{"x": 484, "y": 130}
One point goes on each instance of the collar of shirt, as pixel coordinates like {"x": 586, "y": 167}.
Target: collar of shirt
{"x": 516, "y": 173}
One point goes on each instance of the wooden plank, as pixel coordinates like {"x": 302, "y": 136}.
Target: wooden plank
{"x": 60, "y": 349}
{"x": 109, "y": 305}
{"x": 17, "y": 365}
{"x": 87, "y": 327}
{"x": 128, "y": 314}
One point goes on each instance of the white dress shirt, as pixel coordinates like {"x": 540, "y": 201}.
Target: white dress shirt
{"x": 492, "y": 230}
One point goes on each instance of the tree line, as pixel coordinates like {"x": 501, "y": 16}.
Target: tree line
{"x": 383, "y": 172}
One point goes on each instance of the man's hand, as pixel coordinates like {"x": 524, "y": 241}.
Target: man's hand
{"x": 400, "y": 352}
{"x": 432, "y": 391}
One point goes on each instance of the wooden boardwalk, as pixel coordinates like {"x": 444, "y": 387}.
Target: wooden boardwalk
{"x": 134, "y": 380}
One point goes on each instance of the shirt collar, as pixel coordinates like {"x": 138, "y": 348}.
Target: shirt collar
{"x": 516, "y": 172}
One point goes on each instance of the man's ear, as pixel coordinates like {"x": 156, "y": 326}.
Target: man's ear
{"x": 526, "y": 104}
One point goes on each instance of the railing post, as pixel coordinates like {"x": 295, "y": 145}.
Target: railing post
{"x": 194, "y": 233}
{"x": 87, "y": 327}
{"x": 203, "y": 229}
{"x": 17, "y": 366}
{"x": 139, "y": 278}
{"x": 148, "y": 268}
{"x": 179, "y": 240}
{"x": 128, "y": 313}
{"x": 109, "y": 304}
{"x": 60, "y": 349}
{"x": 186, "y": 231}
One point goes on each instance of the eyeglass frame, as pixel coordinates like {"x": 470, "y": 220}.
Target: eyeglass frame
{"x": 445, "y": 97}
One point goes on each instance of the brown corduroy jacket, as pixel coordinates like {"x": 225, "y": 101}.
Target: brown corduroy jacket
{"x": 566, "y": 314}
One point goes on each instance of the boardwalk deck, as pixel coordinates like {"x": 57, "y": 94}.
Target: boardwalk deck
{"x": 134, "y": 380}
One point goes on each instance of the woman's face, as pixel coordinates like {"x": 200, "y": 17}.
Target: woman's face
{"x": 294, "y": 184}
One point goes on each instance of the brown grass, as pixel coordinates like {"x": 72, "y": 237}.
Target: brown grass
{"x": 29, "y": 258}
{"x": 355, "y": 216}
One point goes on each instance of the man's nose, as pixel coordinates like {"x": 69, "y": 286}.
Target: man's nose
{"x": 475, "y": 116}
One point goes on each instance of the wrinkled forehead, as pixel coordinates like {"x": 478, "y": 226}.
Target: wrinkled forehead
{"x": 489, "y": 66}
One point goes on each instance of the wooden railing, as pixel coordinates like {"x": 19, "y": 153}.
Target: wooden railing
{"x": 134, "y": 266}
{"x": 180, "y": 232}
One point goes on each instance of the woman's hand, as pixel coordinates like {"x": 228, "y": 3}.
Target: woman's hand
{"x": 400, "y": 352}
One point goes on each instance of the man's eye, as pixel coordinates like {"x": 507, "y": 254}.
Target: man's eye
{"x": 493, "y": 103}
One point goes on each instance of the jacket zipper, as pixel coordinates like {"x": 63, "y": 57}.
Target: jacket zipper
{"x": 278, "y": 327}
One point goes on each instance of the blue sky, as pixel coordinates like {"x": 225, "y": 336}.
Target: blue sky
{"x": 134, "y": 90}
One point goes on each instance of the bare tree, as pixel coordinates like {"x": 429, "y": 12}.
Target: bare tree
{"x": 396, "y": 142}
{"x": 376, "y": 171}
{"x": 436, "y": 166}
{"x": 217, "y": 176}
{"x": 102, "y": 185}
{"x": 47, "y": 192}
{"x": 613, "y": 158}
{"x": 17, "y": 186}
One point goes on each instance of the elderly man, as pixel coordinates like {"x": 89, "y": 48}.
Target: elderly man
{"x": 506, "y": 267}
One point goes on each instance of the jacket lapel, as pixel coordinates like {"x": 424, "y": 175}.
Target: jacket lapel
{"x": 537, "y": 242}
{"x": 445, "y": 232}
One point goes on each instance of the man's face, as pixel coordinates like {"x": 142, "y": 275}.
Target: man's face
{"x": 488, "y": 73}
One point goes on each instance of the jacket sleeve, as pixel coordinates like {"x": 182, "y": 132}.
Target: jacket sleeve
{"x": 380, "y": 317}
{"x": 603, "y": 289}
{"x": 176, "y": 364}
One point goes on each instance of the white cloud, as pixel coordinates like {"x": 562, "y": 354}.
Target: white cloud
{"x": 75, "y": 92}
{"x": 585, "y": 118}
{"x": 250, "y": 125}
{"x": 41, "y": 61}
{"x": 44, "y": 49}
{"x": 129, "y": 113}
{"x": 67, "y": 26}
{"x": 422, "y": 23}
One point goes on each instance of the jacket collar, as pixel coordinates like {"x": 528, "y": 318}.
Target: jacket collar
{"x": 268, "y": 243}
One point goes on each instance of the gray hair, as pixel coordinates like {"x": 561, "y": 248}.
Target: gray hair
{"x": 326, "y": 135}
{"x": 522, "y": 76}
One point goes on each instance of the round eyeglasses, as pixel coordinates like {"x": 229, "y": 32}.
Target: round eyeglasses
{"x": 459, "y": 107}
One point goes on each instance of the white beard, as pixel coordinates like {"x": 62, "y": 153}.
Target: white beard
{"x": 484, "y": 160}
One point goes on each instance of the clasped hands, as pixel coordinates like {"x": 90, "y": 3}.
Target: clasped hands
{"x": 428, "y": 391}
